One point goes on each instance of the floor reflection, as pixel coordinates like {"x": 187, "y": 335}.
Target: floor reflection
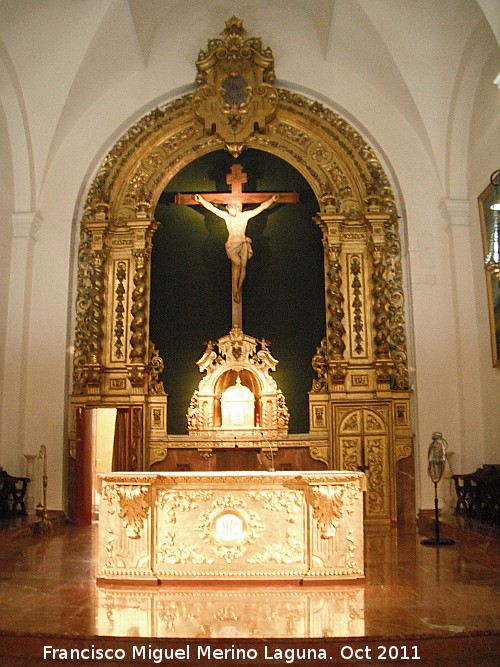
{"x": 48, "y": 585}
{"x": 243, "y": 612}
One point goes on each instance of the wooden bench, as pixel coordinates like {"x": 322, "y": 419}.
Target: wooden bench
{"x": 12, "y": 494}
{"x": 478, "y": 493}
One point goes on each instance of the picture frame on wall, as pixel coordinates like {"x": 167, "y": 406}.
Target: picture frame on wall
{"x": 487, "y": 217}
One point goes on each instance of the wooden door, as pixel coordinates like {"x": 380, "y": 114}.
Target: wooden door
{"x": 83, "y": 467}
{"x": 128, "y": 440}
{"x": 364, "y": 444}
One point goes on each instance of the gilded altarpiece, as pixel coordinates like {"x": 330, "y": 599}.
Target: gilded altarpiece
{"x": 359, "y": 401}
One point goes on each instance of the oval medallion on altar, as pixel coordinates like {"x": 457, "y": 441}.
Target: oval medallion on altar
{"x": 229, "y": 527}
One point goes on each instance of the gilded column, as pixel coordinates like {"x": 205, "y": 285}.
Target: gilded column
{"x": 335, "y": 314}
{"x": 90, "y": 306}
{"x": 381, "y": 314}
{"x": 137, "y": 367}
{"x": 138, "y": 326}
{"x": 335, "y": 300}
{"x": 397, "y": 327}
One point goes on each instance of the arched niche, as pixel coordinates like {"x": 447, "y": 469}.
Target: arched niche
{"x": 190, "y": 291}
{"x": 230, "y": 379}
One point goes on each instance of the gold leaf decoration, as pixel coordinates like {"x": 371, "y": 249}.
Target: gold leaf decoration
{"x": 327, "y": 507}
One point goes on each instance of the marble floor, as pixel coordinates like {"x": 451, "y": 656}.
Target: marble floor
{"x": 444, "y": 604}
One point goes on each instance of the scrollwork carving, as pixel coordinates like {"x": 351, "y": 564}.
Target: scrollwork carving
{"x": 320, "y": 366}
{"x": 351, "y": 453}
{"x": 351, "y": 423}
{"x": 126, "y": 148}
{"x": 155, "y": 369}
{"x": 133, "y": 506}
{"x": 320, "y": 452}
{"x": 379, "y": 196}
{"x": 193, "y": 413}
{"x": 119, "y": 331}
{"x": 376, "y": 488}
{"x": 287, "y": 501}
{"x": 404, "y": 450}
{"x": 170, "y": 552}
{"x": 171, "y": 502}
{"x": 292, "y": 551}
{"x": 327, "y": 504}
{"x": 357, "y": 304}
{"x": 282, "y": 412}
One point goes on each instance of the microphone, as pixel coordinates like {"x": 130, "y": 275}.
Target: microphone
{"x": 271, "y": 451}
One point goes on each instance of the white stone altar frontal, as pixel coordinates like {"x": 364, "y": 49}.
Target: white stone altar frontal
{"x": 230, "y": 526}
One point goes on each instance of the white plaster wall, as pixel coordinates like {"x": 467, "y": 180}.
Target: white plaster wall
{"x": 373, "y": 61}
{"x": 6, "y": 206}
{"x": 483, "y": 159}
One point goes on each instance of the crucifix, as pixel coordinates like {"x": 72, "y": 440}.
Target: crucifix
{"x": 238, "y": 245}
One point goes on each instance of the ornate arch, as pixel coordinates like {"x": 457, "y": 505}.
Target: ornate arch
{"x": 341, "y": 168}
{"x": 363, "y": 356}
{"x": 354, "y": 192}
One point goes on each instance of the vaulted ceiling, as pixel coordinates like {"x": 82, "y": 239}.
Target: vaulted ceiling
{"x": 63, "y": 59}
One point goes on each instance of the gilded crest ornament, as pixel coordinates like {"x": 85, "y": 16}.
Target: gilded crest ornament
{"x": 235, "y": 95}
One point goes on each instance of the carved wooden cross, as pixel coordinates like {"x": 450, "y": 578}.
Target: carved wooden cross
{"x": 236, "y": 179}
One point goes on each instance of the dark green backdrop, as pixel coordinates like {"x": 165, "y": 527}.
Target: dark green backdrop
{"x": 283, "y": 294}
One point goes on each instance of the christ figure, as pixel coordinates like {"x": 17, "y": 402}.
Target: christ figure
{"x": 238, "y": 245}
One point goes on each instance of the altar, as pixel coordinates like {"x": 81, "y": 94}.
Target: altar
{"x": 230, "y": 526}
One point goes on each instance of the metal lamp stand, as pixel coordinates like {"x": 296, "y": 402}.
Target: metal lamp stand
{"x": 437, "y": 541}
{"x": 43, "y": 525}
{"x": 436, "y": 456}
